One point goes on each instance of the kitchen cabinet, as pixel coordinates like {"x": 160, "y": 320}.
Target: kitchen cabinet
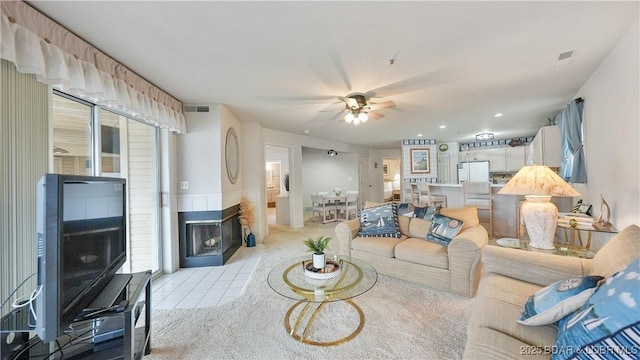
{"x": 496, "y": 156}
{"x": 545, "y": 147}
{"x": 501, "y": 159}
{"x": 282, "y": 210}
{"x": 271, "y": 195}
{"x": 515, "y": 158}
{"x": 497, "y": 159}
{"x": 480, "y": 155}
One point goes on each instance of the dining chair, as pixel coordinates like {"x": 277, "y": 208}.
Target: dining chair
{"x": 408, "y": 193}
{"x": 478, "y": 194}
{"x": 323, "y": 207}
{"x": 425, "y": 196}
{"x": 349, "y": 206}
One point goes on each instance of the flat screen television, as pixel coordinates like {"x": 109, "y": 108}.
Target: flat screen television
{"x": 81, "y": 235}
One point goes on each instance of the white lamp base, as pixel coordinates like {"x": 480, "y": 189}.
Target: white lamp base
{"x": 540, "y": 216}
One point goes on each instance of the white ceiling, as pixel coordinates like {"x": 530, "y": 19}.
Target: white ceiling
{"x": 280, "y": 63}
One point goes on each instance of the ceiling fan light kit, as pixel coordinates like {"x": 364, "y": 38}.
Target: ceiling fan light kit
{"x": 356, "y": 117}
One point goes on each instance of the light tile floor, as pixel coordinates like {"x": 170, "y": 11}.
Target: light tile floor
{"x": 206, "y": 286}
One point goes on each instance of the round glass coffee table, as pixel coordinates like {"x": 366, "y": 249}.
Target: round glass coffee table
{"x": 354, "y": 277}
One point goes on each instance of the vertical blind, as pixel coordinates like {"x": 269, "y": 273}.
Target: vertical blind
{"x": 24, "y": 145}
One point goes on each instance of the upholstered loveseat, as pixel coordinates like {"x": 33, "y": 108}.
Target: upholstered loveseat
{"x": 454, "y": 268}
{"x": 511, "y": 276}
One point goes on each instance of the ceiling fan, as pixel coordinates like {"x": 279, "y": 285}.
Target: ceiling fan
{"x": 358, "y": 109}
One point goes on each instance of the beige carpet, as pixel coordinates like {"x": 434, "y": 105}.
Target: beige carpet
{"x": 403, "y": 320}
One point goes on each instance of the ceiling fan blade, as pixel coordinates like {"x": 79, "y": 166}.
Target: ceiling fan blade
{"x": 336, "y": 116}
{"x": 375, "y": 115}
{"x": 333, "y": 110}
{"x": 337, "y": 106}
{"x": 382, "y": 105}
{"x": 430, "y": 79}
{"x": 301, "y": 99}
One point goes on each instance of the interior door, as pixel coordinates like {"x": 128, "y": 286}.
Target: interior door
{"x": 444, "y": 171}
{"x": 365, "y": 186}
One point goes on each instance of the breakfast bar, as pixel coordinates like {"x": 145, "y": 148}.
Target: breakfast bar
{"x": 505, "y": 207}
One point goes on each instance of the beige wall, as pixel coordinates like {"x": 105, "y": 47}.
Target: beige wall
{"x": 612, "y": 129}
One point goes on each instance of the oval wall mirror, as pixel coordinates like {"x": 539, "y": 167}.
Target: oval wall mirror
{"x": 232, "y": 155}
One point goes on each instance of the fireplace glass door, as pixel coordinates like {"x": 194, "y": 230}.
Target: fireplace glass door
{"x": 204, "y": 238}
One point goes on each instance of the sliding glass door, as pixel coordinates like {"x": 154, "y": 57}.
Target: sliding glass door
{"x": 72, "y": 139}
{"x": 91, "y": 140}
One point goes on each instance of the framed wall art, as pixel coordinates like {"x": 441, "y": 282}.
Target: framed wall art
{"x": 420, "y": 161}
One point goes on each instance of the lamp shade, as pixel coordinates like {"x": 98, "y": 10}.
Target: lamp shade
{"x": 537, "y": 180}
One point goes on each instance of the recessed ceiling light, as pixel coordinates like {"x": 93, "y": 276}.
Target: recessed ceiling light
{"x": 498, "y": 115}
{"x": 419, "y": 135}
{"x": 443, "y": 126}
{"x": 306, "y": 131}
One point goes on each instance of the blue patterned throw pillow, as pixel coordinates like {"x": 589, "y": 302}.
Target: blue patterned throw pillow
{"x": 557, "y": 300}
{"x": 381, "y": 221}
{"x": 443, "y": 229}
{"x": 426, "y": 212}
{"x": 607, "y": 326}
{"x": 405, "y": 209}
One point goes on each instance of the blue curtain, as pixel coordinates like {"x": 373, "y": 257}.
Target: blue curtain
{"x": 570, "y": 122}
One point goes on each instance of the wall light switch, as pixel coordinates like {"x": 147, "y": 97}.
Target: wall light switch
{"x": 184, "y": 185}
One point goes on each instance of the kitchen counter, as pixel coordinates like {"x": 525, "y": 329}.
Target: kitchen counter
{"x": 505, "y": 207}
{"x": 460, "y": 185}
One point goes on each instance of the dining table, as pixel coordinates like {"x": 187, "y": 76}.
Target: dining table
{"x": 335, "y": 200}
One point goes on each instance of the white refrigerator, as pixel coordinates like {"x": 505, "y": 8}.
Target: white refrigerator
{"x": 473, "y": 171}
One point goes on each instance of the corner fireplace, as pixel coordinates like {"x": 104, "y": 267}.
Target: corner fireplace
{"x": 208, "y": 238}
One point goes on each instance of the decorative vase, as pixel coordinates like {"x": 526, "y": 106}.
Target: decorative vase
{"x": 251, "y": 240}
{"x": 318, "y": 260}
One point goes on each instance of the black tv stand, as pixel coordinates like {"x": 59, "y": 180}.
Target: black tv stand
{"x": 111, "y": 291}
{"x": 114, "y": 335}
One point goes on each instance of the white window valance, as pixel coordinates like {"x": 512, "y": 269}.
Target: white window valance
{"x": 37, "y": 45}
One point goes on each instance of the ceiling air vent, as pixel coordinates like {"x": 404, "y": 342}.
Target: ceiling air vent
{"x": 564, "y": 58}
{"x": 196, "y": 108}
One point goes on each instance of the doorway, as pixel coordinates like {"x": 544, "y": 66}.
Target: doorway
{"x": 391, "y": 179}
{"x": 276, "y": 183}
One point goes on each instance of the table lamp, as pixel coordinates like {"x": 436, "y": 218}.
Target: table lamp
{"x": 538, "y": 184}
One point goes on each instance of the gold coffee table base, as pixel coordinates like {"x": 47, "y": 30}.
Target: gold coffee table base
{"x": 295, "y": 330}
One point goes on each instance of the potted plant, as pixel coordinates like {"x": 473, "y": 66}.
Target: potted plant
{"x": 247, "y": 218}
{"x": 317, "y": 246}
